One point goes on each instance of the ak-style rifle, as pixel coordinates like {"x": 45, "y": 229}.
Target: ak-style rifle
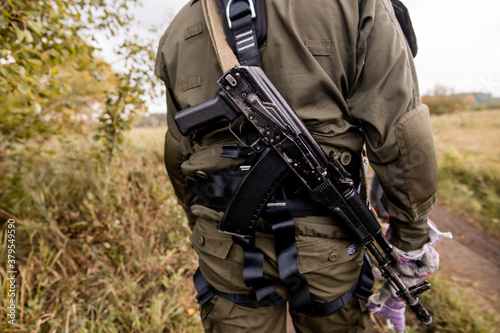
{"x": 285, "y": 144}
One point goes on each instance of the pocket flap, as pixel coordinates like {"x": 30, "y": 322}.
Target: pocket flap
{"x": 316, "y": 253}
{"x": 319, "y": 47}
{"x": 206, "y": 238}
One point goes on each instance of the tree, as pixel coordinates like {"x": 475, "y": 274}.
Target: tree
{"x": 48, "y": 65}
{"x": 125, "y": 100}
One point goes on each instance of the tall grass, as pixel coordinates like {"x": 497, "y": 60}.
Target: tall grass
{"x": 469, "y": 164}
{"x": 91, "y": 261}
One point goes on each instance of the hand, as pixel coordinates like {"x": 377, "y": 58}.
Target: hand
{"x": 413, "y": 267}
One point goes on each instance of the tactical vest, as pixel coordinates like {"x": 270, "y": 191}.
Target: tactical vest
{"x": 245, "y": 26}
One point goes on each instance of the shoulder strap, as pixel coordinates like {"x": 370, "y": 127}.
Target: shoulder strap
{"x": 237, "y": 10}
{"x": 226, "y": 57}
{"x": 235, "y": 29}
{"x": 404, "y": 20}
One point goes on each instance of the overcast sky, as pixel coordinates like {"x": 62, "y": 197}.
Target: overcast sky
{"x": 459, "y": 41}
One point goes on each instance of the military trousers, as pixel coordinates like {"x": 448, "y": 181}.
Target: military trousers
{"x": 327, "y": 259}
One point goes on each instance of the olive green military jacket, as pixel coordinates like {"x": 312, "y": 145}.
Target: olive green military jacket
{"x": 345, "y": 67}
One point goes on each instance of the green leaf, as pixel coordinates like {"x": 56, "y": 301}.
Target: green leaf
{"x": 3, "y": 21}
{"x": 36, "y": 107}
{"x": 24, "y": 88}
{"x": 6, "y": 13}
{"x": 34, "y": 62}
{"x": 5, "y": 71}
{"x": 36, "y": 27}
{"x": 28, "y": 36}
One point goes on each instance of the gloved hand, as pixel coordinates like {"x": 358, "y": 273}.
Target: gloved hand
{"x": 413, "y": 267}
{"x": 390, "y": 307}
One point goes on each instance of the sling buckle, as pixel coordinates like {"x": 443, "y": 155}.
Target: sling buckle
{"x": 228, "y": 12}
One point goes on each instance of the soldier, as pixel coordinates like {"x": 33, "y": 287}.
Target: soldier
{"x": 346, "y": 69}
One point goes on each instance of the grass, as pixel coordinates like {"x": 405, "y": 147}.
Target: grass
{"x": 452, "y": 310}
{"x": 469, "y": 164}
{"x": 95, "y": 262}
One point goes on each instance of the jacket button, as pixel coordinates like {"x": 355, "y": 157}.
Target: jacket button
{"x": 345, "y": 158}
{"x": 201, "y": 240}
{"x": 333, "y": 256}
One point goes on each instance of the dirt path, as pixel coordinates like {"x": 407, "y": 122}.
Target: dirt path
{"x": 469, "y": 262}
{"x": 472, "y": 259}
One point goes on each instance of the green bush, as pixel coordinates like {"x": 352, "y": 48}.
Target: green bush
{"x": 443, "y": 104}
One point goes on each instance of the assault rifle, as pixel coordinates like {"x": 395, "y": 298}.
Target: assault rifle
{"x": 286, "y": 144}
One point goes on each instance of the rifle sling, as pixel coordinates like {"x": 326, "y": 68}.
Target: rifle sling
{"x": 225, "y": 55}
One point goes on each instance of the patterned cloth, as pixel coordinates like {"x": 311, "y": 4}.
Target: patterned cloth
{"x": 391, "y": 307}
{"x": 413, "y": 267}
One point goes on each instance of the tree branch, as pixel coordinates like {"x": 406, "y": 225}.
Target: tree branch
{"x": 41, "y": 113}
{"x": 4, "y": 5}
{"x": 47, "y": 109}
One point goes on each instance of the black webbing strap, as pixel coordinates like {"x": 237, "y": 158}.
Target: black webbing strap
{"x": 240, "y": 16}
{"x": 366, "y": 280}
{"x": 253, "y": 271}
{"x": 206, "y": 292}
{"x": 286, "y": 250}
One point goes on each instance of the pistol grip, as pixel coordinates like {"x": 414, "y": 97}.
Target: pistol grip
{"x": 219, "y": 107}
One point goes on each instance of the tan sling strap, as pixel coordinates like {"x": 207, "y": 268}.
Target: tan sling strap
{"x": 225, "y": 55}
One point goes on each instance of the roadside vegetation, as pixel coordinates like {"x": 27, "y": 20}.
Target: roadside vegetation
{"x": 469, "y": 164}
{"x": 95, "y": 256}
{"x": 100, "y": 243}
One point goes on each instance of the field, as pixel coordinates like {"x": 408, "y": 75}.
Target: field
{"x": 468, "y": 149}
{"x": 99, "y": 256}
